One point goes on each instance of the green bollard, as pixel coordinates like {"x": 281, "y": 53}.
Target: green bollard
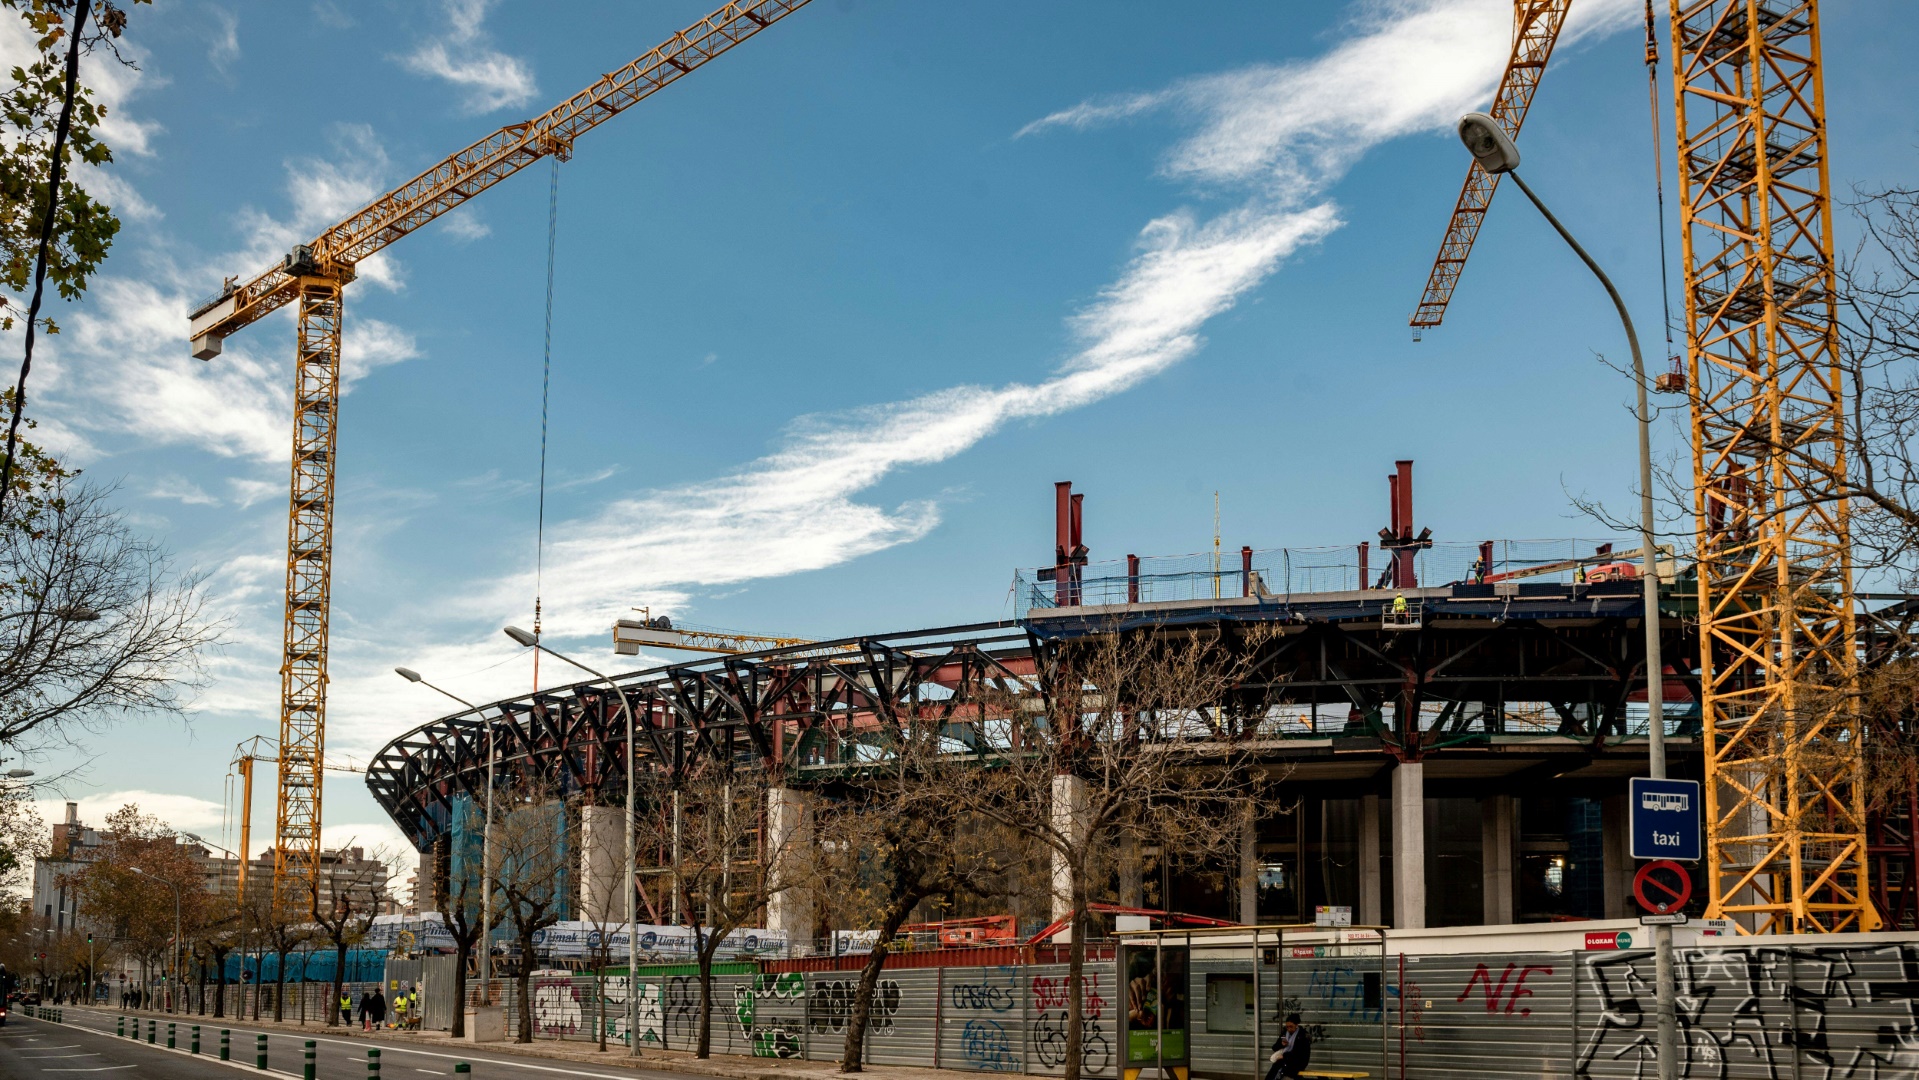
{"x": 306, "y": 1069}
{"x": 196, "y": 1039}
{"x": 120, "y": 1029}
{"x": 260, "y": 1052}
{"x": 169, "y": 1036}
{"x": 372, "y": 1065}
{"x": 153, "y": 1027}
{"x": 461, "y": 1068}
{"x": 225, "y": 1047}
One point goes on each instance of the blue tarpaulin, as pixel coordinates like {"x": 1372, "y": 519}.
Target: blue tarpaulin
{"x": 362, "y": 965}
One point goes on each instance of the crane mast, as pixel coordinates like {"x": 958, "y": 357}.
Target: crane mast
{"x": 1785, "y": 792}
{"x": 314, "y": 276}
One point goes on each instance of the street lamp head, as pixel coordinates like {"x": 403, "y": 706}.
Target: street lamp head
{"x": 1489, "y": 143}
{"x": 521, "y": 636}
{"x": 19, "y": 774}
{"x": 76, "y": 613}
{"x": 407, "y": 673}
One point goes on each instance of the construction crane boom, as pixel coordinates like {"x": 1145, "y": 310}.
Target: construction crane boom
{"x": 1536, "y": 26}
{"x": 659, "y": 632}
{"x": 314, "y": 276}
{"x": 465, "y": 174}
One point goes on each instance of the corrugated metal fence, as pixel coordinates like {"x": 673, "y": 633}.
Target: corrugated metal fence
{"x": 1747, "y": 1012}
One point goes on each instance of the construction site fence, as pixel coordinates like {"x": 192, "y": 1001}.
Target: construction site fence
{"x": 298, "y": 1002}
{"x": 1750, "y": 1010}
{"x": 1299, "y": 572}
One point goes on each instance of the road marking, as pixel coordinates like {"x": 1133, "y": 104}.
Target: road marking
{"x": 103, "y": 1068}
{"x": 510, "y": 1062}
{"x": 435, "y": 1072}
{"x": 56, "y": 1057}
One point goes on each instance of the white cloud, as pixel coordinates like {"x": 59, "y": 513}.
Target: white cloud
{"x": 464, "y": 56}
{"x": 464, "y": 224}
{"x": 223, "y": 45}
{"x": 187, "y": 813}
{"x": 179, "y": 487}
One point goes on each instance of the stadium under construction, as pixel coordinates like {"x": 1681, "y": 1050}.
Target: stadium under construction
{"x": 1454, "y": 728}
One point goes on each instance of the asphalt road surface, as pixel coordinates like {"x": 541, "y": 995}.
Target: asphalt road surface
{"x": 86, "y": 1048}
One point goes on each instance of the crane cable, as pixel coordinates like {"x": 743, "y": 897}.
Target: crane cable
{"x": 546, "y": 382}
{"x": 1659, "y": 179}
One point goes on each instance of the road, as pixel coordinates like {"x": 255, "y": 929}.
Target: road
{"x": 86, "y": 1048}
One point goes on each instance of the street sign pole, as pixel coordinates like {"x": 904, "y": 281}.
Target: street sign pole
{"x": 1665, "y": 826}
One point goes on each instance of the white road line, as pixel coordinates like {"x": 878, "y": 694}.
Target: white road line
{"x": 435, "y": 1072}
{"x": 510, "y": 1062}
{"x": 103, "y": 1068}
{"x": 57, "y": 1057}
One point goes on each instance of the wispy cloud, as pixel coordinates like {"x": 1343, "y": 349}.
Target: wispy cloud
{"x": 465, "y": 57}
{"x": 1281, "y": 135}
{"x": 179, "y": 487}
{"x": 223, "y": 45}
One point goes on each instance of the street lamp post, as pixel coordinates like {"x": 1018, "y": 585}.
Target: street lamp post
{"x": 173, "y": 990}
{"x": 486, "y": 841}
{"x": 1495, "y": 152}
{"x": 532, "y": 641}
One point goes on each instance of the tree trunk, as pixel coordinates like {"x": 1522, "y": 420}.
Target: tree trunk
{"x": 525, "y": 983}
{"x": 705, "y": 1048}
{"x": 465, "y": 945}
{"x": 220, "y": 1002}
{"x": 339, "y": 983}
{"x": 1075, "y": 967}
{"x": 853, "y": 1055}
{"x": 599, "y": 995}
{"x": 280, "y": 987}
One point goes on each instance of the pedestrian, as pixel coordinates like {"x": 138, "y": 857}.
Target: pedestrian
{"x": 379, "y": 1009}
{"x": 1292, "y": 1051}
{"x": 346, "y": 1007}
{"x": 366, "y": 1010}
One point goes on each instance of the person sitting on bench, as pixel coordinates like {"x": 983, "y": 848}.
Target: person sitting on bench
{"x": 1292, "y": 1051}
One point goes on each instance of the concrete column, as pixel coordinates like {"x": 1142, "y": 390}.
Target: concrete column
{"x": 1370, "y": 911}
{"x": 602, "y": 864}
{"x": 789, "y": 844}
{"x": 1617, "y": 850}
{"x": 1496, "y": 857}
{"x": 1409, "y": 846}
{"x": 1249, "y": 867}
{"x": 1069, "y": 821}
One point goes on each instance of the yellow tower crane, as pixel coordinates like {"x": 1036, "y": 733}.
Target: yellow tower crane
{"x": 260, "y": 748}
{"x": 314, "y": 276}
{"x": 1778, "y": 665}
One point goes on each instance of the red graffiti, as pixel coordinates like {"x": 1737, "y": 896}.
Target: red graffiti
{"x": 1495, "y": 991}
{"x": 1050, "y": 993}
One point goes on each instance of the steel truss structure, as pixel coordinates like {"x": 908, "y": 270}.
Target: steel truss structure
{"x": 1785, "y": 799}
{"x": 803, "y": 713}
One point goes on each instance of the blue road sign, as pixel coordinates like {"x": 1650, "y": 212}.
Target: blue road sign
{"x": 1667, "y": 819}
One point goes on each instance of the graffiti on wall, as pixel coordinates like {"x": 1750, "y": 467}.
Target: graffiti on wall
{"x": 984, "y": 1045}
{"x": 996, "y": 991}
{"x": 1050, "y": 1003}
{"x": 754, "y": 1009}
{"x": 680, "y": 1012}
{"x": 830, "y": 1006}
{"x": 1339, "y": 991}
{"x": 1763, "y": 1011}
{"x": 556, "y": 1007}
{"x": 1507, "y": 991}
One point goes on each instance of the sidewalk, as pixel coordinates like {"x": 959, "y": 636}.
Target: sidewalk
{"x": 586, "y": 1053}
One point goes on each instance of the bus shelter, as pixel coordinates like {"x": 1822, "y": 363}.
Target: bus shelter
{"x": 1209, "y": 1003}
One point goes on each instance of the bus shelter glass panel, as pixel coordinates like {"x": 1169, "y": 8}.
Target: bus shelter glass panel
{"x": 1156, "y": 975}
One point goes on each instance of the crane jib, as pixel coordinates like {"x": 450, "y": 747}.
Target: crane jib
{"x": 479, "y": 166}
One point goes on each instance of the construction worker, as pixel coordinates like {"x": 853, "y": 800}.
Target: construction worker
{"x": 1579, "y": 574}
{"x": 346, "y": 1007}
{"x": 1399, "y": 606}
{"x": 1479, "y": 571}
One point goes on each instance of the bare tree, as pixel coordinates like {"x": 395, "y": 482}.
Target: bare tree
{"x": 899, "y": 836}
{"x": 532, "y": 838}
{"x": 129, "y": 886}
{"x": 96, "y": 624}
{"x": 1122, "y": 738}
{"x": 462, "y": 904}
{"x": 344, "y": 904}
{"x": 723, "y": 881}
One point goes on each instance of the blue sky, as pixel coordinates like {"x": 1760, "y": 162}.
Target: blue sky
{"x": 834, "y": 312}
